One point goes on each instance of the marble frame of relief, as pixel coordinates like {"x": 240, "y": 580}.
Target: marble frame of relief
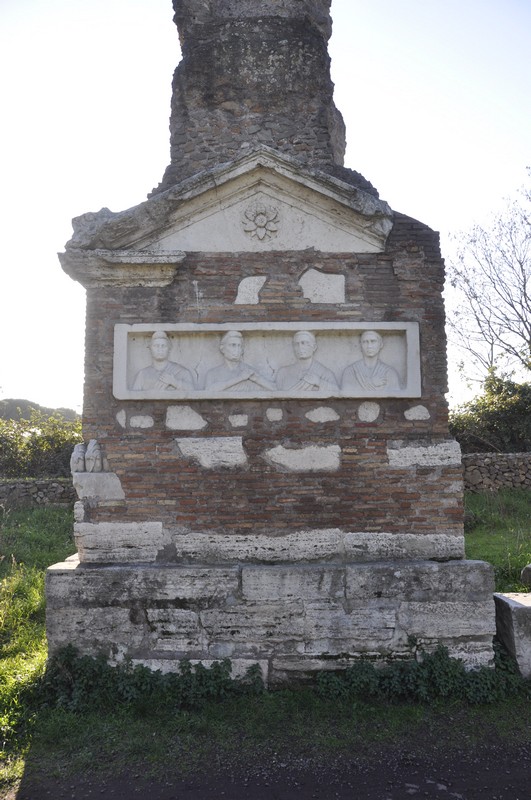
{"x": 196, "y": 367}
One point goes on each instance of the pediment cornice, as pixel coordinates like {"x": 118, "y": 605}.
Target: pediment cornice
{"x": 207, "y": 213}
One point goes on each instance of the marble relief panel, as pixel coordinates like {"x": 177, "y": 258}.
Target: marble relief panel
{"x": 266, "y": 360}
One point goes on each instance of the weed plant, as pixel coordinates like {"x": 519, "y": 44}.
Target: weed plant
{"x": 426, "y": 679}
{"x": 80, "y": 683}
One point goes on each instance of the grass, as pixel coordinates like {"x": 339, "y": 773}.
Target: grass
{"x": 291, "y": 723}
{"x": 29, "y": 542}
{"x": 498, "y": 530}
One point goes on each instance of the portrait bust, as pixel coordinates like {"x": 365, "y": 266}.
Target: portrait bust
{"x": 162, "y": 374}
{"x": 370, "y": 373}
{"x": 305, "y": 374}
{"x": 234, "y": 373}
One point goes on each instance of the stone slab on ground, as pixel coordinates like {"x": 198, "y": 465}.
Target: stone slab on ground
{"x": 513, "y": 627}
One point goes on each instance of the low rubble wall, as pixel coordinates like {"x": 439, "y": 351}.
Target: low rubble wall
{"x": 38, "y": 492}
{"x": 492, "y": 471}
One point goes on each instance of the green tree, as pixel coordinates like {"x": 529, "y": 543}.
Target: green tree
{"x": 40, "y": 446}
{"x": 498, "y": 420}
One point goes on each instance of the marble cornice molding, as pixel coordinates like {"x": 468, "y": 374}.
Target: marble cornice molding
{"x": 94, "y": 268}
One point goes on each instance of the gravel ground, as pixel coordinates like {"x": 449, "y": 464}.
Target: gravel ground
{"x": 491, "y": 772}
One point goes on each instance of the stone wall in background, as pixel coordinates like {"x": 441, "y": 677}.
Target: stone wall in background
{"x": 493, "y": 471}
{"x": 43, "y": 492}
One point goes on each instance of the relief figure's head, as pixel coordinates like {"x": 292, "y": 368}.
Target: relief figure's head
{"x": 160, "y": 346}
{"x": 371, "y": 344}
{"x": 232, "y": 346}
{"x": 304, "y": 345}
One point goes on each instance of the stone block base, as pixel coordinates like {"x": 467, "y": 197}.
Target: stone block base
{"x": 291, "y": 619}
{"x": 513, "y": 626}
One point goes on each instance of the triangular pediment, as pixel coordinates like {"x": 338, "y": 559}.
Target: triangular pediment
{"x": 261, "y": 202}
{"x": 262, "y": 210}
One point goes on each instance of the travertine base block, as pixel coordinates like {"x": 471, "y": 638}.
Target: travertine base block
{"x": 291, "y": 619}
{"x": 513, "y": 626}
{"x": 137, "y": 542}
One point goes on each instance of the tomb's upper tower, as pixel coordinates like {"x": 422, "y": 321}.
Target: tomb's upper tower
{"x": 253, "y": 72}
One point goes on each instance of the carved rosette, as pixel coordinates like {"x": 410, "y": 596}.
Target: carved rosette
{"x": 261, "y": 222}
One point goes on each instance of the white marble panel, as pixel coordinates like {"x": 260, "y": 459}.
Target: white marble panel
{"x": 322, "y": 414}
{"x": 238, "y": 420}
{"x": 213, "y": 452}
{"x": 249, "y": 290}
{"x": 184, "y": 418}
{"x": 368, "y": 412}
{"x": 141, "y": 421}
{"x": 416, "y": 413}
{"x": 266, "y": 360}
{"x": 103, "y": 486}
{"x": 312, "y": 458}
{"x": 423, "y": 455}
{"x": 322, "y": 287}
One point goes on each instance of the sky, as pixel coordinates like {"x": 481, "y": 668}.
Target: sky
{"x": 435, "y": 97}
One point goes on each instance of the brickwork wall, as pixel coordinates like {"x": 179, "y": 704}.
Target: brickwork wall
{"x": 482, "y": 472}
{"x": 365, "y": 494}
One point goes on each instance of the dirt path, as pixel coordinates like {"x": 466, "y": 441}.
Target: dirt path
{"x": 496, "y": 772}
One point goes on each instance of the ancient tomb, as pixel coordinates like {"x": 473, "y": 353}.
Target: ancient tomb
{"x": 268, "y": 474}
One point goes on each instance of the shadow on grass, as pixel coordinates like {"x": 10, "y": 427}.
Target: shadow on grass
{"x": 279, "y": 739}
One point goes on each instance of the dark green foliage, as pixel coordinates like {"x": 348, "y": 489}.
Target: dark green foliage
{"x": 425, "y": 679}
{"x": 498, "y": 420}
{"x": 37, "y": 447}
{"x": 82, "y": 683}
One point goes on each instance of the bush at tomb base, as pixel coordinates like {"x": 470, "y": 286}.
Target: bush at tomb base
{"x": 37, "y": 447}
{"x": 81, "y": 683}
{"x": 425, "y": 679}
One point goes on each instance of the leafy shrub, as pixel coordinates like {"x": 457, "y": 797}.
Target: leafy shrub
{"x": 498, "y": 420}
{"x": 81, "y": 683}
{"x": 428, "y": 678}
{"x": 37, "y": 447}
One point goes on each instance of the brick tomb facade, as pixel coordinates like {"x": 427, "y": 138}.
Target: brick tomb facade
{"x": 269, "y": 475}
